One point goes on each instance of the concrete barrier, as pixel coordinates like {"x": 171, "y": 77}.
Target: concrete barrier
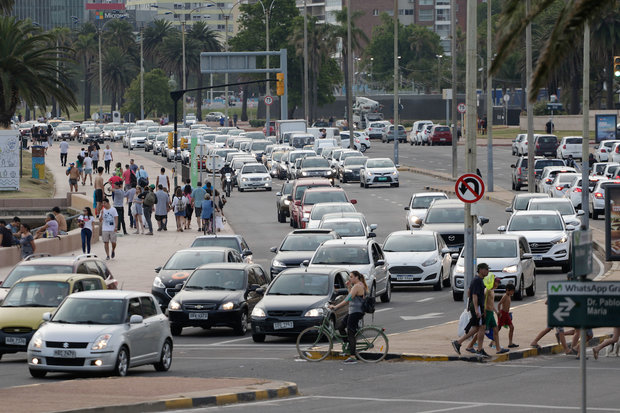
{"x": 55, "y": 246}
{"x": 79, "y": 200}
{"x": 564, "y": 122}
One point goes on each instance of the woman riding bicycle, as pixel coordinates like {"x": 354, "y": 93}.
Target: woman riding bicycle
{"x": 357, "y": 291}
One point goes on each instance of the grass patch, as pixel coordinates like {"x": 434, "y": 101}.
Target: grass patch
{"x": 29, "y": 187}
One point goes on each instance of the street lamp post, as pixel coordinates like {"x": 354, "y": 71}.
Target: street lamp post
{"x": 439, "y": 56}
{"x": 267, "y": 13}
{"x": 141, "y": 72}
{"x": 306, "y": 97}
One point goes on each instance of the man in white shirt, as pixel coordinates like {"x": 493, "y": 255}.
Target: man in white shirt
{"x": 64, "y": 151}
{"x": 88, "y": 169}
{"x": 109, "y": 219}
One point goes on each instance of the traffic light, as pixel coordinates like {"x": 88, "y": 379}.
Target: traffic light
{"x": 280, "y": 84}
{"x": 617, "y": 66}
{"x": 170, "y": 140}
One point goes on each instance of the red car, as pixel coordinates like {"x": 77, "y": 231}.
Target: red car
{"x": 319, "y": 195}
{"x": 440, "y": 135}
{"x": 297, "y": 194}
{"x": 272, "y": 129}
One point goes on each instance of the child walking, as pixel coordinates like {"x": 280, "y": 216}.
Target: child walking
{"x": 504, "y": 319}
{"x": 491, "y": 283}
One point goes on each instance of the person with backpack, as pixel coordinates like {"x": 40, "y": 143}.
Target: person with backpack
{"x": 179, "y": 204}
{"x": 358, "y": 291}
{"x": 143, "y": 177}
{"x": 149, "y": 200}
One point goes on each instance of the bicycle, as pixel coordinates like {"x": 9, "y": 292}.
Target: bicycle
{"x": 372, "y": 344}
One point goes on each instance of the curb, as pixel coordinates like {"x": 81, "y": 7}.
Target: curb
{"x": 545, "y": 350}
{"x": 287, "y": 389}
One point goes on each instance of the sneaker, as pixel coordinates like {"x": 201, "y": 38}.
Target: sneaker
{"x": 113, "y": 254}
{"x": 471, "y": 350}
{"x": 482, "y": 353}
{"x": 502, "y": 351}
{"x": 456, "y": 346}
{"x": 513, "y": 345}
{"x": 351, "y": 360}
{"x": 107, "y": 258}
{"x": 149, "y": 233}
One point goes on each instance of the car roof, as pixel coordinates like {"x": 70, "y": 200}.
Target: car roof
{"x": 341, "y": 219}
{"x": 206, "y": 249}
{"x": 436, "y": 193}
{"x": 532, "y": 195}
{"x": 412, "y": 233}
{"x": 447, "y": 203}
{"x": 311, "y": 181}
{"x": 500, "y": 236}
{"x": 552, "y": 168}
{"x": 229, "y": 265}
{"x": 58, "y": 277}
{"x": 110, "y": 294}
{"x": 330, "y": 204}
{"x": 312, "y": 270}
{"x": 238, "y": 237}
{"x": 539, "y": 212}
{"x": 324, "y": 189}
{"x": 344, "y": 241}
{"x": 351, "y": 214}
{"x": 549, "y": 201}
{"x": 311, "y": 231}
{"x": 57, "y": 259}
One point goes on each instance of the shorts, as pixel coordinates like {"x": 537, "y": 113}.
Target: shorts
{"x": 72, "y": 181}
{"x": 490, "y": 320}
{"x": 505, "y": 319}
{"x": 98, "y": 195}
{"x": 108, "y": 236}
{"x": 80, "y": 170}
{"x": 198, "y": 212}
{"x": 179, "y": 214}
{"x": 160, "y": 217}
{"x": 88, "y": 171}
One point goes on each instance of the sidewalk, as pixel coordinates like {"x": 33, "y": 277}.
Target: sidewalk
{"x": 140, "y": 394}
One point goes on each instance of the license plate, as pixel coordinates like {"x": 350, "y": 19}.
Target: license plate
{"x": 198, "y": 316}
{"x": 404, "y": 277}
{"x": 382, "y": 178}
{"x": 68, "y": 354}
{"x": 537, "y": 257}
{"x": 283, "y": 325}
{"x": 15, "y": 341}
{"x": 442, "y": 139}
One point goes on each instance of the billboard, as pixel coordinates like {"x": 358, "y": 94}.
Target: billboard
{"x": 9, "y": 160}
{"x": 605, "y": 127}
{"x": 612, "y": 222}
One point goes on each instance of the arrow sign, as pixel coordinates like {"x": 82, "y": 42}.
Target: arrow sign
{"x": 469, "y": 188}
{"x": 563, "y": 309}
{"x": 421, "y": 317}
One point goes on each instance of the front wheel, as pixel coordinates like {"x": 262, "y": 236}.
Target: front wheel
{"x": 309, "y": 345}
{"x": 122, "y": 362}
{"x": 37, "y": 374}
{"x": 371, "y": 344}
{"x": 386, "y": 297}
{"x": 457, "y": 295}
{"x": 242, "y": 325}
{"x": 363, "y": 148}
{"x": 531, "y": 290}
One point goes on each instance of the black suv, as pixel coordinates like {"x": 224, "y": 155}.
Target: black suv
{"x": 546, "y": 145}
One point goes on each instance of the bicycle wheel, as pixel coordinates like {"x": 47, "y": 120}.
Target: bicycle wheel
{"x": 372, "y": 344}
{"x": 311, "y": 346}
{"x": 107, "y": 189}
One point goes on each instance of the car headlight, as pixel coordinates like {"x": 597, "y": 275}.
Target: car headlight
{"x": 59, "y": 134}
{"x": 244, "y": 179}
{"x": 560, "y": 240}
{"x": 304, "y": 173}
{"x": 315, "y": 312}
{"x": 37, "y": 341}
{"x": 414, "y": 219}
{"x": 307, "y": 215}
{"x": 277, "y": 263}
{"x": 174, "y": 305}
{"x": 458, "y": 268}
{"x": 267, "y": 179}
{"x": 511, "y": 269}
{"x": 459, "y": 282}
{"x": 228, "y": 306}
{"x": 287, "y": 202}
{"x": 395, "y": 173}
{"x": 258, "y": 312}
{"x": 429, "y": 261}
{"x": 157, "y": 283}
{"x": 101, "y": 342}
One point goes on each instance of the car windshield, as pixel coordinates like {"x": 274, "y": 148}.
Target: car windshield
{"x": 36, "y": 294}
{"x": 25, "y": 270}
{"x": 312, "y": 198}
{"x": 564, "y": 208}
{"x": 92, "y": 130}
{"x": 379, "y": 163}
{"x": 120, "y": 128}
{"x": 304, "y": 242}
{"x": 410, "y": 243}
{"x": 228, "y": 242}
{"x": 346, "y": 155}
{"x": 522, "y": 202}
{"x": 496, "y": 248}
{"x": 221, "y": 138}
{"x": 259, "y": 146}
{"x": 64, "y": 127}
{"x": 524, "y": 163}
{"x": 254, "y": 169}
{"x": 300, "y": 284}
{"x": 161, "y": 138}
{"x": 345, "y": 229}
{"x": 276, "y": 156}
{"x": 535, "y": 223}
{"x": 320, "y": 210}
{"x": 301, "y": 189}
{"x": 599, "y": 169}
{"x": 216, "y": 279}
{"x": 609, "y": 144}
{"x": 355, "y": 160}
{"x": 423, "y": 202}
{"x": 315, "y": 163}
{"x": 341, "y": 255}
{"x": 296, "y": 155}
{"x": 547, "y": 139}
{"x": 548, "y": 162}
{"x": 138, "y": 134}
{"x": 76, "y": 310}
{"x": 190, "y": 260}
{"x": 445, "y": 216}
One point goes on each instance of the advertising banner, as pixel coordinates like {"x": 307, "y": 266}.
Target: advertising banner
{"x": 612, "y": 222}
{"x": 605, "y": 127}
{"x": 9, "y": 160}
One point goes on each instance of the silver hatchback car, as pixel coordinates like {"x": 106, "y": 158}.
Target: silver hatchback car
{"x": 97, "y": 331}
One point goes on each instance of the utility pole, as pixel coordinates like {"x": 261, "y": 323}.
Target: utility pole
{"x": 184, "y": 87}
{"x": 454, "y": 89}
{"x": 395, "y": 83}
{"x": 141, "y": 72}
{"x": 470, "y": 147}
{"x": 100, "y": 80}
{"x": 306, "y": 89}
{"x": 267, "y": 107}
{"x": 348, "y": 85}
{"x": 530, "y": 109}
{"x": 489, "y": 100}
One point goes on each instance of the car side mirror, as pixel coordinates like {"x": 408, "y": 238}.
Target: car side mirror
{"x": 484, "y": 220}
{"x": 501, "y": 228}
{"x": 570, "y": 227}
{"x": 340, "y": 291}
{"x": 454, "y": 256}
{"x": 445, "y": 250}
{"x": 253, "y": 287}
{"x": 136, "y": 319}
{"x": 305, "y": 263}
{"x": 260, "y": 291}
{"x": 273, "y": 249}
{"x": 246, "y": 253}
{"x": 289, "y": 198}
{"x": 372, "y": 235}
{"x": 406, "y": 208}
{"x": 380, "y": 263}
{"x": 178, "y": 287}
{"x": 47, "y": 316}
{"x": 527, "y": 256}
{"x": 509, "y": 210}
{"x": 157, "y": 269}
{"x": 513, "y": 166}
{"x": 580, "y": 212}
{"x": 278, "y": 193}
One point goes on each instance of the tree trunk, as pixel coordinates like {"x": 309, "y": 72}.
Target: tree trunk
{"x": 610, "y": 81}
{"x": 574, "y": 95}
{"x": 244, "y": 104}
{"x": 346, "y": 77}
{"x": 113, "y": 102}
{"x": 199, "y": 97}
{"x": 87, "y": 96}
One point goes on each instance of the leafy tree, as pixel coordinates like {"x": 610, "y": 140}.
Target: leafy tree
{"x": 157, "y": 99}
{"x": 207, "y": 41}
{"x": 6, "y": 6}
{"x": 117, "y": 71}
{"x": 28, "y": 69}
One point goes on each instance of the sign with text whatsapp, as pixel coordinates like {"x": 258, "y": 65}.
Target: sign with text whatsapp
{"x": 583, "y": 304}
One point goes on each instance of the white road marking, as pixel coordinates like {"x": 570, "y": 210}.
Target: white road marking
{"x": 228, "y": 358}
{"x": 384, "y": 309}
{"x": 421, "y": 317}
{"x": 449, "y": 409}
{"x": 232, "y": 341}
{"x": 601, "y": 268}
{"x": 555, "y": 367}
{"x": 425, "y": 299}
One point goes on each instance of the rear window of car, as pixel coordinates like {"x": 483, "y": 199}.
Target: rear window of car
{"x": 523, "y": 163}
{"x": 547, "y": 139}
{"x": 548, "y": 162}
{"x": 442, "y": 129}
{"x": 22, "y": 271}
{"x": 574, "y": 141}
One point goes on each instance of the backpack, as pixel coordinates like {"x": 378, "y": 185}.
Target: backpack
{"x": 368, "y": 304}
{"x": 132, "y": 178}
{"x": 180, "y": 207}
{"x": 150, "y": 199}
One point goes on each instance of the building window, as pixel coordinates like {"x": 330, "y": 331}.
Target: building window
{"x": 401, "y": 12}
{"x": 409, "y": 12}
{"x": 221, "y": 27}
{"x": 178, "y": 6}
{"x": 426, "y": 2}
{"x": 375, "y": 12}
{"x": 426, "y": 15}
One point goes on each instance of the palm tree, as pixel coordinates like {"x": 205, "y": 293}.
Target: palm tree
{"x": 6, "y": 6}
{"x": 28, "y": 69}
{"x": 565, "y": 34}
{"x": 154, "y": 36}
{"x": 63, "y": 39}
{"x": 85, "y": 49}
{"x": 171, "y": 55}
{"x": 118, "y": 71}
{"x": 120, "y": 33}
{"x": 207, "y": 41}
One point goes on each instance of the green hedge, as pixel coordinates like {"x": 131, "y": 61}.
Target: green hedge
{"x": 256, "y": 123}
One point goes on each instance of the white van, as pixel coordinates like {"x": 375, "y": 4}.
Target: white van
{"x": 329, "y": 133}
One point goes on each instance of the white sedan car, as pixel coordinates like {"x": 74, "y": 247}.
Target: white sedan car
{"x": 603, "y": 149}
{"x": 417, "y": 258}
{"x": 253, "y": 176}
{"x": 561, "y": 183}
{"x": 418, "y": 206}
{"x": 564, "y": 206}
{"x": 597, "y": 197}
{"x": 379, "y": 171}
{"x": 99, "y": 331}
{"x": 319, "y": 210}
{"x": 548, "y": 175}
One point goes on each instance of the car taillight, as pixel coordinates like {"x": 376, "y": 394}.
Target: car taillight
{"x": 559, "y": 188}
{"x": 564, "y": 147}
{"x": 548, "y": 180}
{"x": 617, "y": 148}
{"x": 577, "y": 190}
{"x": 537, "y": 145}
{"x": 603, "y": 151}
{"x": 519, "y": 171}
{"x": 598, "y": 195}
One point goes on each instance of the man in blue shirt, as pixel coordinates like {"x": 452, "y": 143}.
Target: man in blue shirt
{"x": 198, "y": 195}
